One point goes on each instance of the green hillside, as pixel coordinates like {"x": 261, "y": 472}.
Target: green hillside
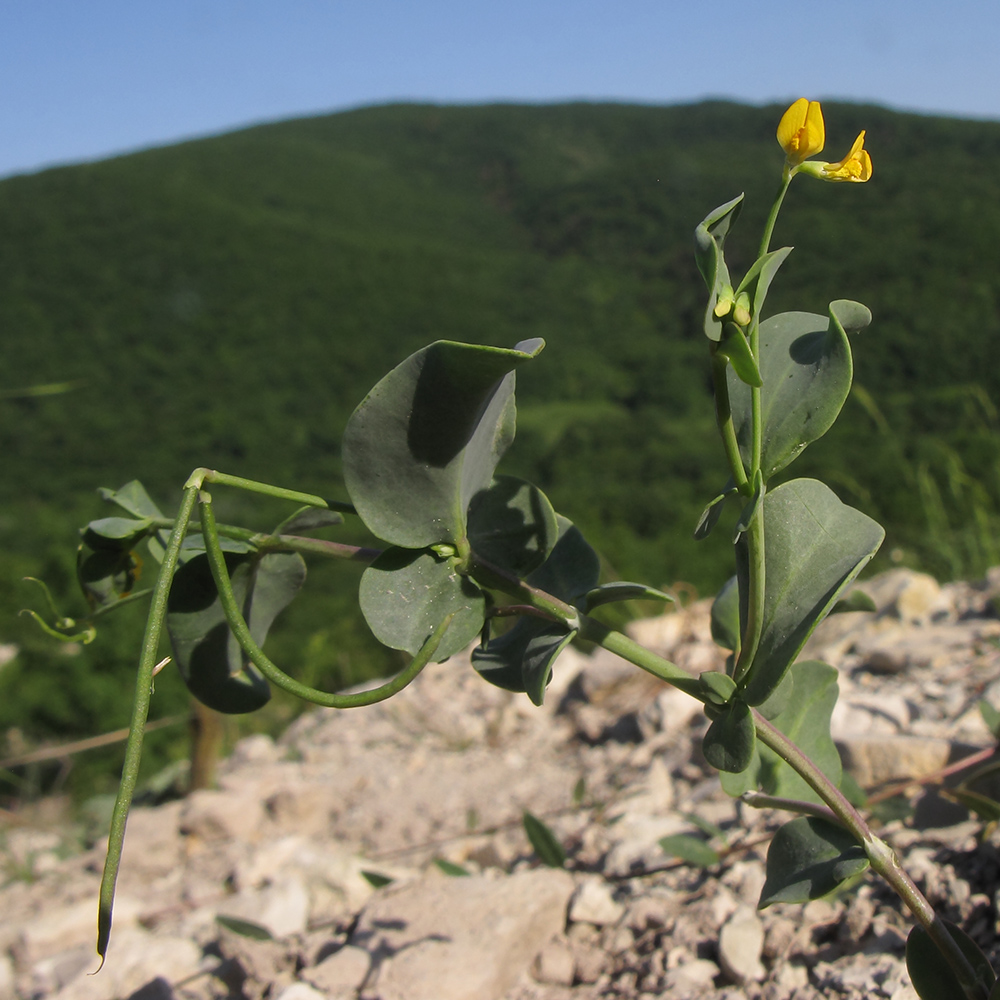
{"x": 227, "y": 302}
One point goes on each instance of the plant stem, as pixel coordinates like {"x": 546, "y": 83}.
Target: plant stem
{"x": 140, "y": 711}
{"x": 765, "y": 241}
{"x": 629, "y": 649}
{"x": 240, "y": 629}
{"x": 724, "y": 418}
{"x": 201, "y": 476}
{"x": 753, "y": 542}
{"x": 881, "y": 857}
{"x": 494, "y": 577}
{"x": 285, "y": 543}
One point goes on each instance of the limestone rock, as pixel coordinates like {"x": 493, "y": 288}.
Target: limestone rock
{"x": 740, "y": 945}
{"x": 460, "y": 938}
{"x": 340, "y": 974}
{"x": 593, "y": 903}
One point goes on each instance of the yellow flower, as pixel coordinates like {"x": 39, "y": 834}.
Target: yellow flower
{"x": 856, "y": 166}
{"x": 801, "y": 132}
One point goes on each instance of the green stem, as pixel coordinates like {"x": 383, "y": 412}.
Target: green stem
{"x": 881, "y": 857}
{"x": 286, "y": 543}
{"x": 628, "y": 649}
{"x": 201, "y": 476}
{"x": 493, "y": 577}
{"x": 240, "y": 629}
{"x": 765, "y": 242}
{"x": 758, "y": 800}
{"x": 724, "y": 418}
{"x": 753, "y": 539}
{"x": 140, "y": 711}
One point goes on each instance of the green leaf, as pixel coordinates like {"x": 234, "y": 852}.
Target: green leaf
{"x": 712, "y": 512}
{"x": 806, "y": 366}
{"x": 814, "y": 547}
{"x": 406, "y": 593}
{"x": 512, "y": 525}
{"x": 427, "y": 438}
{"x": 719, "y": 688}
{"x": 726, "y": 615}
{"x": 245, "y": 928}
{"x": 763, "y": 270}
{"x": 931, "y": 975}
{"x": 449, "y": 868}
{"x": 133, "y": 499}
{"x": 544, "y": 842}
{"x": 691, "y": 850}
{"x": 709, "y": 829}
{"x": 375, "y": 879}
{"x": 801, "y": 708}
{"x": 809, "y": 858}
{"x": 735, "y": 347}
{"x": 308, "y": 519}
{"x": 115, "y": 533}
{"x": 856, "y": 600}
{"x": 621, "y": 590}
{"x": 207, "y": 654}
{"x": 709, "y": 238}
{"x": 522, "y": 659}
{"x": 750, "y": 508}
{"x": 572, "y": 568}
{"x": 729, "y": 743}
{"x": 991, "y": 717}
{"x": 107, "y": 575}
{"x": 541, "y": 653}
{"x": 986, "y": 808}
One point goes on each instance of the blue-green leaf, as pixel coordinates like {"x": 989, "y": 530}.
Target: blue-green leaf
{"x": 427, "y": 439}
{"x": 406, "y": 593}
{"x": 545, "y": 843}
{"x": 512, "y": 525}
{"x": 622, "y": 590}
{"x": 206, "y": 652}
{"x": 692, "y": 850}
{"x": 806, "y": 366}
{"x": 814, "y": 547}
{"x": 809, "y": 858}
{"x": 931, "y": 975}
{"x": 725, "y": 616}
{"x": 709, "y": 239}
{"x": 809, "y": 691}
{"x": 731, "y": 738}
{"x": 133, "y": 499}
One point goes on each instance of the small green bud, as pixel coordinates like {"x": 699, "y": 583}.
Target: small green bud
{"x": 718, "y": 687}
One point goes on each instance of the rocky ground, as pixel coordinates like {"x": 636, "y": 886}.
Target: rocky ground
{"x": 444, "y": 772}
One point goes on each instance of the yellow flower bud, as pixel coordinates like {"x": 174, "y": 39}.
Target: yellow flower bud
{"x": 801, "y": 132}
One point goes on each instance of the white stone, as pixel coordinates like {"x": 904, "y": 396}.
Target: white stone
{"x": 555, "y": 963}
{"x": 282, "y": 908}
{"x": 301, "y": 991}
{"x": 222, "y": 815}
{"x": 741, "y": 942}
{"x": 593, "y": 903}
{"x": 340, "y": 973}
{"x": 690, "y": 976}
{"x": 461, "y": 938}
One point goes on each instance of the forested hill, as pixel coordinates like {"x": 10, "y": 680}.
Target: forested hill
{"x": 227, "y": 302}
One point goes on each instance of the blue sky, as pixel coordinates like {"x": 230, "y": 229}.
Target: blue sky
{"x": 86, "y": 79}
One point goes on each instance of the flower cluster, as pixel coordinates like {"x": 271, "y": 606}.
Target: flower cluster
{"x": 802, "y": 134}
